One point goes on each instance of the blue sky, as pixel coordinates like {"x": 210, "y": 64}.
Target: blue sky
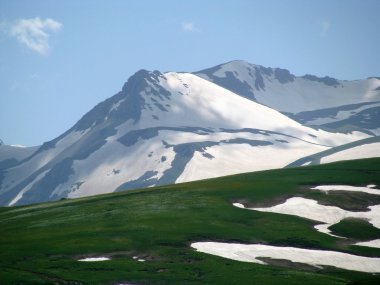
{"x": 60, "y": 58}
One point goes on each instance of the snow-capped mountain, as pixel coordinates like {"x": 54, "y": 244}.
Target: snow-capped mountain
{"x": 164, "y": 128}
{"x": 11, "y": 155}
{"x": 328, "y": 103}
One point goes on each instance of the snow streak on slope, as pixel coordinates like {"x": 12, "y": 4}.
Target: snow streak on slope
{"x": 365, "y": 148}
{"x": 363, "y": 151}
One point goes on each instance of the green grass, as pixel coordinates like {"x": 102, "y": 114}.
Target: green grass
{"x": 41, "y": 243}
{"x": 357, "y": 229}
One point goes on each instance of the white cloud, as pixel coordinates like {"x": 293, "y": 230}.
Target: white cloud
{"x": 325, "y": 24}
{"x": 188, "y": 26}
{"x": 35, "y": 33}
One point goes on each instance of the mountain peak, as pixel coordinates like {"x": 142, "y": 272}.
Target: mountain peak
{"x": 142, "y": 77}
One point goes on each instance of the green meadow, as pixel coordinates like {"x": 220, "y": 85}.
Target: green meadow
{"x": 41, "y": 243}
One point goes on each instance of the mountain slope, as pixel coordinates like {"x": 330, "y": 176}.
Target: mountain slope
{"x": 309, "y": 99}
{"x": 161, "y": 129}
{"x": 147, "y": 234}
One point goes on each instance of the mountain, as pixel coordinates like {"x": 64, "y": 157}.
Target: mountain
{"x": 164, "y": 128}
{"x": 320, "y": 102}
{"x": 11, "y": 155}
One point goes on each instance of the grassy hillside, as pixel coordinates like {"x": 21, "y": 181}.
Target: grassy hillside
{"x": 41, "y": 243}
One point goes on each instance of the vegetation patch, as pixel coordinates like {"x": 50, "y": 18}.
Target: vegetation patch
{"x": 357, "y": 229}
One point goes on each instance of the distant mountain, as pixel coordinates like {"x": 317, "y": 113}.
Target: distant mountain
{"x": 320, "y": 102}
{"x": 164, "y": 128}
{"x": 11, "y": 155}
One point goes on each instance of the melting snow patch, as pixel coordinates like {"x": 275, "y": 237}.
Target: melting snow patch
{"x": 369, "y": 189}
{"x": 138, "y": 259}
{"x": 250, "y": 253}
{"x": 372, "y": 243}
{"x": 239, "y": 205}
{"x": 94, "y": 259}
{"x": 329, "y": 215}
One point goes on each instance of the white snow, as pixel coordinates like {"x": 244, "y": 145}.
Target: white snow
{"x": 302, "y": 94}
{"x": 305, "y": 95}
{"x": 238, "y": 158}
{"x": 131, "y": 163}
{"x": 372, "y": 243}
{"x": 206, "y": 104}
{"x": 94, "y": 259}
{"x": 341, "y": 115}
{"x": 239, "y": 205}
{"x": 329, "y": 215}
{"x": 250, "y": 253}
{"x": 369, "y": 189}
{"x": 363, "y": 151}
{"x": 18, "y": 145}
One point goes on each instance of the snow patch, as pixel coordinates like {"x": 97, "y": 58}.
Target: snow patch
{"x": 317, "y": 258}
{"x": 94, "y": 259}
{"x": 329, "y": 215}
{"x": 138, "y": 259}
{"x": 369, "y": 189}
{"x": 372, "y": 243}
{"x": 239, "y": 205}
{"x": 18, "y": 145}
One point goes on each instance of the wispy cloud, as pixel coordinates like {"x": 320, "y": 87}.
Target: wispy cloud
{"x": 34, "y": 33}
{"x": 189, "y": 26}
{"x": 325, "y": 25}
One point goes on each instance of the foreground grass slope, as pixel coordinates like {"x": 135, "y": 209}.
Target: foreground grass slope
{"x": 41, "y": 243}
